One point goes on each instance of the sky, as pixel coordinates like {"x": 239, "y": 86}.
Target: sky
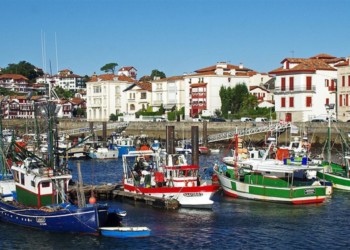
{"x": 173, "y": 36}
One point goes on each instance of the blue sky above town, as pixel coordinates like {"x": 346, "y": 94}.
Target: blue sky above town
{"x": 176, "y": 37}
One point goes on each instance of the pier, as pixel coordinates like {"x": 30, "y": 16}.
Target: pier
{"x": 116, "y": 192}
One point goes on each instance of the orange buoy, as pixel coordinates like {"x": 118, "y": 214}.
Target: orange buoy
{"x": 92, "y": 200}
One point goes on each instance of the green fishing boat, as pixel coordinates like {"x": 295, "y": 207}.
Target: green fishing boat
{"x": 272, "y": 180}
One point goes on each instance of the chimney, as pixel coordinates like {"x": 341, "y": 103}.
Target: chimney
{"x": 241, "y": 65}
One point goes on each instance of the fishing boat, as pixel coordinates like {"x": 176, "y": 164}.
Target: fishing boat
{"x": 122, "y": 143}
{"x": 168, "y": 176}
{"x": 338, "y": 173}
{"x": 41, "y": 198}
{"x": 103, "y": 153}
{"x": 125, "y": 232}
{"x": 273, "y": 180}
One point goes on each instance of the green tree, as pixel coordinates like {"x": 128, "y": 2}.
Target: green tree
{"x": 109, "y": 68}
{"x": 25, "y": 69}
{"x": 5, "y": 92}
{"x": 64, "y": 93}
{"x": 156, "y": 73}
{"x": 250, "y": 102}
{"x": 113, "y": 117}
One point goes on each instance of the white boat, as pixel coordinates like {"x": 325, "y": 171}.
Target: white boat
{"x": 103, "y": 153}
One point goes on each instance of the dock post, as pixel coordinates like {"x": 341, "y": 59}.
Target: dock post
{"x": 170, "y": 142}
{"x": 195, "y": 147}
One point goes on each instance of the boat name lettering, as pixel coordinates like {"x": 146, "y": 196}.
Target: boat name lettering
{"x": 192, "y": 194}
{"x": 310, "y": 191}
{"x": 41, "y": 220}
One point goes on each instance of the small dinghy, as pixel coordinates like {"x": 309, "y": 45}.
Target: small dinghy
{"x": 125, "y": 232}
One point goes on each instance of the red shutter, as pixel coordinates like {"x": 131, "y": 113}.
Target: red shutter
{"x": 291, "y": 102}
{"x": 308, "y": 83}
{"x": 283, "y": 84}
{"x": 291, "y": 83}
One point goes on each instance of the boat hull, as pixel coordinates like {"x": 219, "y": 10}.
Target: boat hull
{"x": 111, "y": 154}
{"x": 66, "y": 220}
{"x": 125, "y": 232}
{"x": 338, "y": 181}
{"x": 291, "y": 195}
{"x": 199, "y": 196}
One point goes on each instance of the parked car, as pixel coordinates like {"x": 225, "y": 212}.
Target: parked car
{"x": 217, "y": 119}
{"x": 261, "y": 119}
{"x": 322, "y": 119}
{"x": 246, "y": 119}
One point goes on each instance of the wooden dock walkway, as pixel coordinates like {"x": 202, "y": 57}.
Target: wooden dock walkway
{"x": 115, "y": 191}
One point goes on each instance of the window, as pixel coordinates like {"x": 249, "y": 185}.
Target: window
{"x": 132, "y": 107}
{"x": 97, "y": 89}
{"x": 143, "y": 95}
{"x": 283, "y": 102}
{"x": 291, "y": 83}
{"x": 349, "y": 80}
{"x": 283, "y": 84}
{"x": 22, "y": 178}
{"x": 291, "y": 102}
{"x": 308, "y": 83}
{"x": 45, "y": 184}
{"x": 308, "y": 101}
{"x": 327, "y": 101}
{"x": 343, "y": 81}
{"x": 340, "y": 100}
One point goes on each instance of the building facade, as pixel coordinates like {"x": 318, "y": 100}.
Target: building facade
{"x": 343, "y": 91}
{"x": 303, "y": 87}
{"x": 105, "y": 96}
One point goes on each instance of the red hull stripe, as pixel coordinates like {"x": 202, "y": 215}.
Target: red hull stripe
{"x": 156, "y": 190}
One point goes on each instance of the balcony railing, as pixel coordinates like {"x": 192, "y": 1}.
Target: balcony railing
{"x": 295, "y": 90}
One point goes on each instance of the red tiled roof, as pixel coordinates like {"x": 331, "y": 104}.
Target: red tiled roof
{"x": 77, "y": 101}
{"x": 171, "y": 78}
{"x": 126, "y": 68}
{"x": 13, "y": 76}
{"x": 305, "y": 65}
{"x": 110, "y": 77}
{"x": 144, "y": 85}
{"x": 323, "y": 56}
{"x": 214, "y": 67}
{"x": 344, "y": 63}
{"x": 258, "y": 87}
{"x": 196, "y": 85}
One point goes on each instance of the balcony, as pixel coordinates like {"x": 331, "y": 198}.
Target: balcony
{"x": 296, "y": 90}
{"x": 199, "y": 94}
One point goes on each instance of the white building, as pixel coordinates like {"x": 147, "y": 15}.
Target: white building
{"x": 139, "y": 97}
{"x": 303, "y": 87}
{"x": 105, "y": 96}
{"x": 128, "y": 71}
{"x": 343, "y": 90}
{"x": 169, "y": 92}
{"x": 202, "y": 88}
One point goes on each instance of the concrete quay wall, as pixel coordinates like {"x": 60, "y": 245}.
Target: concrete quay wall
{"x": 317, "y": 132}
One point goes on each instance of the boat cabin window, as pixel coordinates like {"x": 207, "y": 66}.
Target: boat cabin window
{"x": 32, "y": 183}
{"x": 45, "y": 184}
{"x": 22, "y": 178}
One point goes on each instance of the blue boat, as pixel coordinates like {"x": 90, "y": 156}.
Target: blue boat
{"x": 123, "y": 144}
{"x": 41, "y": 199}
{"x": 125, "y": 232}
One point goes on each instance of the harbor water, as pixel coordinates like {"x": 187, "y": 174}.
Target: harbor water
{"x": 230, "y": 224}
